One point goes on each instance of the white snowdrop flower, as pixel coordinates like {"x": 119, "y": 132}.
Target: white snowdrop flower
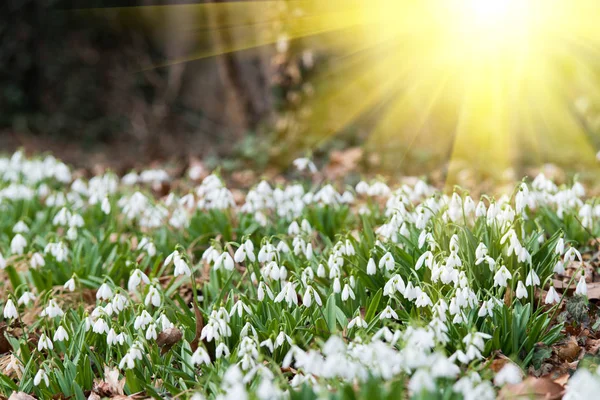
{"x": 362, "y": 187}
{"x": 358, "y": 322}
{"x": 62, "y": 217}
{"x": 388, "y": 313}
{"x": 111, "y": 337}
{"x": 239, "y": 307}
{"x": 532, "y": 279}
{"x": 2, "y": 262}
{"x": 18, "y": 244}
{"x": 288, "y": 292}
{"x": 118, "y": 302}
{"x": 308, "y": 251}
{"x": 487, "y": 308}
{"x": 521, "y": 290}
{"x": 582, "y": 385}
{"x": 153, "y": 297}
{"x": 308, "y": 296}
{"x": 151, "y": 332}
{"x": 423, "y": 300}
{"x": 52, "y": 310}
{"x": 226, "y": 261}
{"x": 181, "y": 267}
{"x": 104, "y": 292}
{"x": 100, "y": 326}
{"x": 302, "y": 164}
{"x": 60, "y": 334}
{"x": 105, "y": 206}
{"x": 502, "y": 276}
{"x": 26, "y": 298}
{"x": 396, "y": 283}
{"x": 41, "y": 376}
{"x": 387, "y": 261}
{"x": 37, "y": 260}
{"x": 347, "y": 293}
{"x": 222, "y": 350}
{"x": 200, "y": 357}
{"x": 371, "y": 267}
{"x": 581, "y": 287}
{"x": 552, "y": 296}
{"x": 321, "y": 271}
{"x": 573, "y": 254}
{"x": 262, "y": 289}
{"x": 294, "y": 229}
{"x": 559, "y": 268}
{"x": 142, "y": 320}
{"x": 20, "y": 227}
{"x": 127, "y": 362}
{"x": 45, "y": 343}
{"x": 165, "y": 323}
{"x": 560, "y": 246}
{"x": 137, "y": 277}
{"x": 240, "y": 254}
{"x": 10, "y": 311}
{"x": 425, "y": 259}
{"x": 268, "y": 344}
{"x": 509, "y": 374}
{"x": 421, "y": 381}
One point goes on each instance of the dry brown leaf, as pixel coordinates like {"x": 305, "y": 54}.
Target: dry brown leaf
{"x": 110, "y": 385}
{"x": 20, "y": 396}
{"x": 532, "y": 389}
{"x": 569, "y": 351}
{"x": 167, "y": 338}
{"x": 562, "y": 380}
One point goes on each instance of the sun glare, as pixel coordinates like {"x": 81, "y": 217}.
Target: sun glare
{"x": 493, "y": 81}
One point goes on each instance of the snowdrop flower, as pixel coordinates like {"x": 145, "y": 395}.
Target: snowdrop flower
{"x": 560, "y": 246}
{"x": 142, "y": 320}
{"x": 52, "y": 310}
{"x": 200, "y": 357}
{"x": 572, "y": 254}
{"x": 387, "y": 261}
{"x": 222, "y": 350}
{"x": 347, "y": 292}
{"x": 37, "y": 260}
{"x": 39, "y": 377}
{"x": 44, "y": 343}
{"x": 487, "y": 308}
{"x": 559, "y": 268}
{"x": 509, "y": 374}
{"x": 70, "y": 284}
{"x": 358, "y": 322}
{"x": 552, "y": 296}
{"x": 153, "y": 297}
{"x": 2, "y": 262}
{"x": 581, "y": 287}
{"x": 105, "y": 207}
{"x": 60, "y": 334}
{"x": 371, "y": 267}
{"x": 239, "y": 307}
{"x": 10, "y": 311}
{"x": 423, "y": 300}
{"x": 136, "y": 278}
{"x": 501, "y": 277}
{"x": 532, "y": 279}
{"x": 100, "y": 326}
{"x": 521, "y": 290}
{"x": 262, "y": 289}
{"x": 308, "y": 296}
{"x": 181, "y": 267}
{"x": 18, "y": 244}
{"x": 20, "y": 227}
{"x": 226, "y": 261}
{"x": 26, "y": 298}
{"x": 288, "y": 292}
{"x": 104, "y": 292}
{"x": 303, "y": 163}
{"x": 151, "y": 332}
{"x": 388, "y": 313}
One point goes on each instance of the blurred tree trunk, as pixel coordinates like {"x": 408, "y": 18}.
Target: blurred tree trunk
{"x": 231, "y": 90}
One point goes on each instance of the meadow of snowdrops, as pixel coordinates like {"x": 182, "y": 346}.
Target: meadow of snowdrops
{"x": 299, "y": 291}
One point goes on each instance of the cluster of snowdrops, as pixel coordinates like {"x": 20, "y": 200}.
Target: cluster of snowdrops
{"x": 298, "y": 291}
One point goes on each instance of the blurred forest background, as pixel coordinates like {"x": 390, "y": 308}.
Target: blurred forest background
{"x": 98, "y": 86}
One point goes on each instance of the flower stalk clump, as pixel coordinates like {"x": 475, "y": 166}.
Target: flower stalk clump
{"x": 293, "y": 290}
